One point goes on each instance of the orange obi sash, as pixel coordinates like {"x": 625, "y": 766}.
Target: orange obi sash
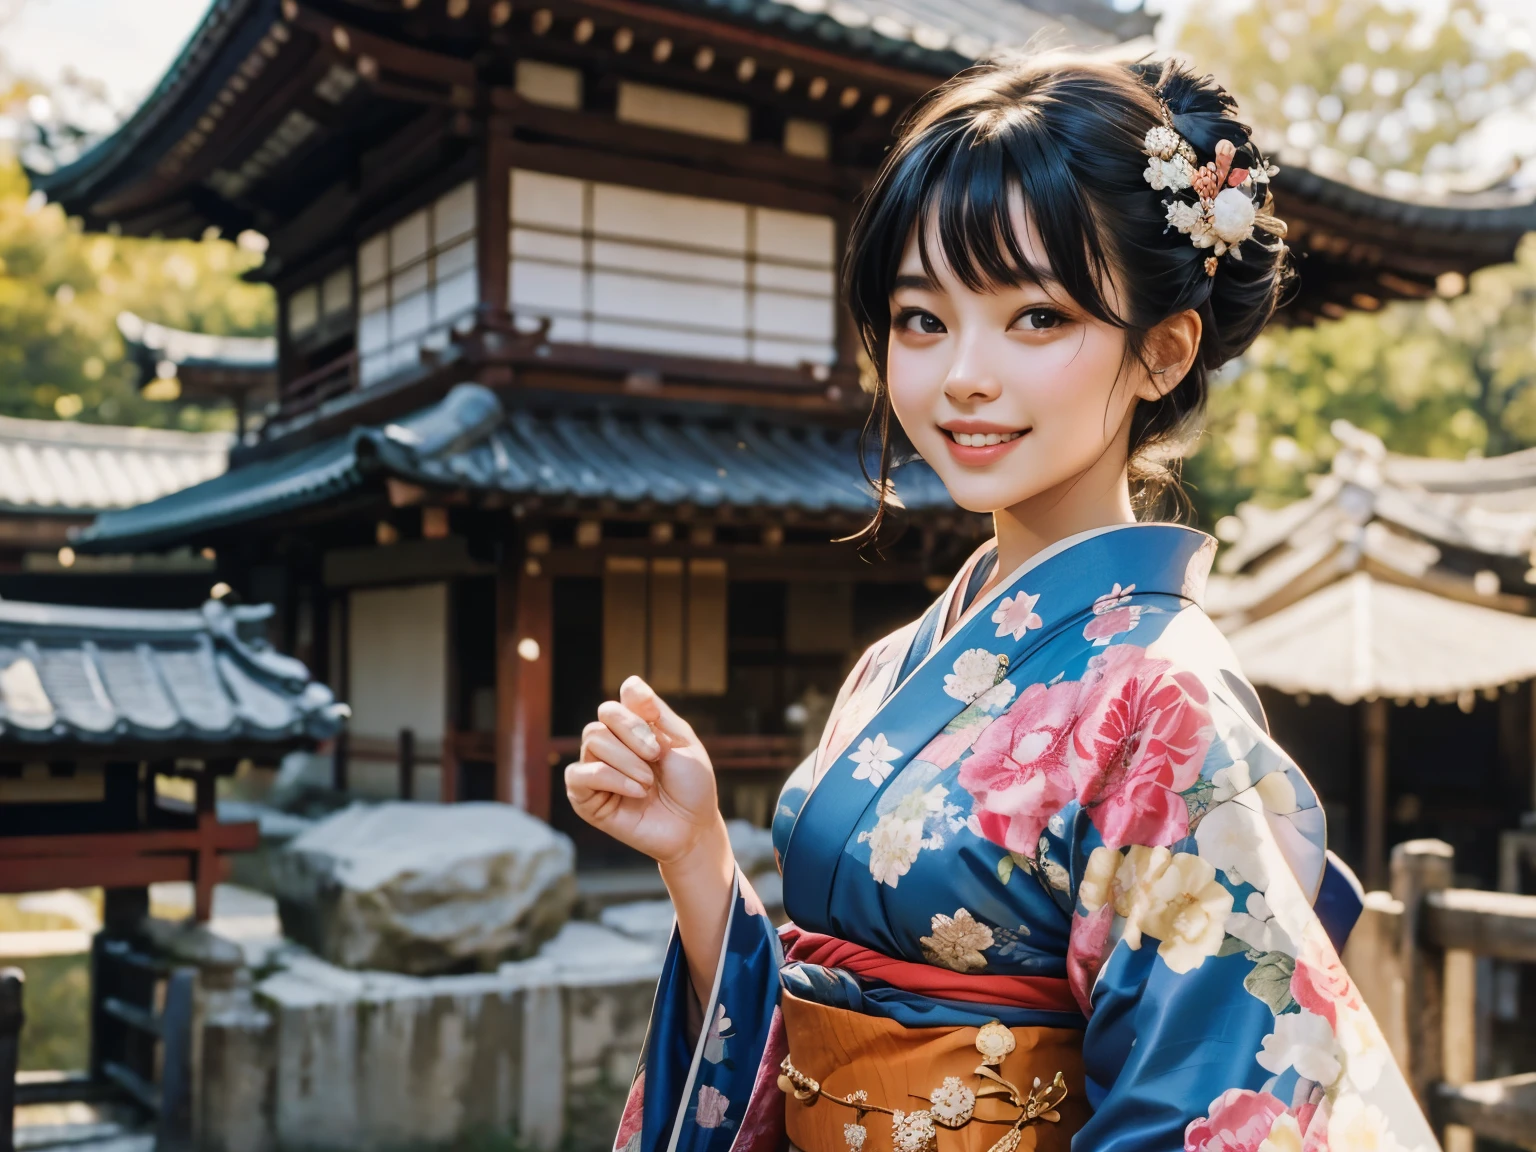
{"x": 991, "y": 1089}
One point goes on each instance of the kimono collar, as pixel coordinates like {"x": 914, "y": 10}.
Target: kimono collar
{"x": 1042, "y": 599}
{"x": 1179, "y": 576}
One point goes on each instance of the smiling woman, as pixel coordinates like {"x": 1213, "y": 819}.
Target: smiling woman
{"x": 1016, "y": 235}
{"x": 1051, "y": 882}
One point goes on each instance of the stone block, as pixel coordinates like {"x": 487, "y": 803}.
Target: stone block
{"x": 425, "y": 888}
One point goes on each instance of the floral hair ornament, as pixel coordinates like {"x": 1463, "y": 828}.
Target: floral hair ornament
{"x": 1230, "y": 202}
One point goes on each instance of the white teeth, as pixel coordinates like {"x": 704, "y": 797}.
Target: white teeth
{"x": 983, "y": 439}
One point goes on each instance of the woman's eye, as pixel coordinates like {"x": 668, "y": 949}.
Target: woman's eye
{"x": 916, "y": 320}
{"x": 1039, "y": 319}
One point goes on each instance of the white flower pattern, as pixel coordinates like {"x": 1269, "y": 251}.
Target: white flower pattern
{"x": 975, "y": 671}
{"x": 873, "y": 758}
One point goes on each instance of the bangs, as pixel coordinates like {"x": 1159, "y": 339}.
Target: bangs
{"x": 961, "y": 187}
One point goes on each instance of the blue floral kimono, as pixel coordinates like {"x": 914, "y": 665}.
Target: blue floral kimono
{"x": 1075, "y": 783}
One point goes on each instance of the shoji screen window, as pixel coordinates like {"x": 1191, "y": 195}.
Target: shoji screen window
{"x": 625, "y": 267}
{"x": 416, "y": 284}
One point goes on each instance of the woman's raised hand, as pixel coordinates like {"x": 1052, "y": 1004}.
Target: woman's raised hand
{"x": 643, "y": 777}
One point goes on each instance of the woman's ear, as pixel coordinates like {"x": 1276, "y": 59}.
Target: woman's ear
{"x": 1171, "y": 349}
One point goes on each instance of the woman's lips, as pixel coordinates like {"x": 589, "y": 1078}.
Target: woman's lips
{"x": 978, "y": 452}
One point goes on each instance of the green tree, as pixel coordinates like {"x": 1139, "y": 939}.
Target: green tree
{"x": 1386, "y": 93}
{"x": 61, "y": 291}
{"x": 1432, "y": 378}
{"x": 1389, "y": 85}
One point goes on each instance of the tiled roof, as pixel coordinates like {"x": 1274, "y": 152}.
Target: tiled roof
{"x": 63, "y": 467}
{"x": 937, "y": 36}
{"x": 119, "y": 676}
{"x": 468, "y": 442}
{"x": 196, "y": 349}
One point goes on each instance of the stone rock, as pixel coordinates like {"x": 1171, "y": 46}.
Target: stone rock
{"x": 425, "y": 888}
{"x": 753, "y": 847}
{"x": 649, "y": 920}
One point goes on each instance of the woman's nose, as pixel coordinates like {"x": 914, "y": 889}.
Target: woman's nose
{"x": 971, "y": 376}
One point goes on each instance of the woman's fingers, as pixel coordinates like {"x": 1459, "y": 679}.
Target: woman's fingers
{"x": 602, "y": 745}
{"x": 630, "y": 727}
{"x": 643, "y": 701}
{"x": 586, "y": 780}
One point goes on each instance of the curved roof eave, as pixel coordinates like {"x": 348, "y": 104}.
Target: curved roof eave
{"x": 78, "y": 180}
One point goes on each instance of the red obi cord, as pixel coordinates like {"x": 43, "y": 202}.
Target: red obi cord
{"x": 1042, "y": 993}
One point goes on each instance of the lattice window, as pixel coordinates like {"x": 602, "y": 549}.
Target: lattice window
{"x": 416, "y": 285}
{"x": 625, "y": 267}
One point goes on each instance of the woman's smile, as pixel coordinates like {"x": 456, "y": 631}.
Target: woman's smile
{"x": 976, "y": 443}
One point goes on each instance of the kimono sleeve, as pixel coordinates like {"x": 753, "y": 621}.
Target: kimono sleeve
{"x": 1219, "y": 1014}
{"x": 708, "y": 1081}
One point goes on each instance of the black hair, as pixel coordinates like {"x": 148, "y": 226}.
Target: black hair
{"x": 1067, "y": 133}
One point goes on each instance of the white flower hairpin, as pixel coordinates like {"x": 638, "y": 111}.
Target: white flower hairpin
{"x": 1230, "y": 202}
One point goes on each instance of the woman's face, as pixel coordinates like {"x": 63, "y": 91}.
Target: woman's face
{"x": 1011, "y": 394}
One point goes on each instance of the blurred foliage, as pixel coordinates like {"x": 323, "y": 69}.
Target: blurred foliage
{"x": 60, "y": 293}
{"x": 57, "y": 1002}
{"x": 1438, "y": 377}
{"x": 1433, "y": 378}
{"x": 1360, "y": 80}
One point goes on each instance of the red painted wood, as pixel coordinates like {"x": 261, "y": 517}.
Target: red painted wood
{"x": 40, "y": 874}
{"x": 244, "y": 837}
{"x": 523, "y": 687}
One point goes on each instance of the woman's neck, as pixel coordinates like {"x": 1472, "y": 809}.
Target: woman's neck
{"x": 1096, "y": 498}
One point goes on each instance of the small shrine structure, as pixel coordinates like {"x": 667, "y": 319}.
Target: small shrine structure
{"x": 1387, "y": 619}
{"x": 115, "y": 727}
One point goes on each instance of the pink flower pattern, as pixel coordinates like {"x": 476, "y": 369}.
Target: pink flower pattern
{"x": 1140, "y": 739}
{"x": 1017, "y": 773}
{"x": 712, "y": 1106}
{"x": 1320, "y": 983}
{"x": 1085, "y": 953}
{"x": 1240, "y": 1120}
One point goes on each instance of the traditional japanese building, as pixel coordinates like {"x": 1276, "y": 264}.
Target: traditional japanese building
{"x": 563, "y": 390}
{"x": 56, "y": 476}
{"x": 1387, "y": 621}
{"x": 115, "y": 727}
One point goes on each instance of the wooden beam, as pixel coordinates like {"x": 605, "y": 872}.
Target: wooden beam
{"x": 1419, "y": 868}
{"x": 524, "y": 684}
{"x": 1497, "y": 924}
{"x": 493, "y": 228}
{"x": 719, "y": 32}
{"x": 1502, "y": 1109}
{"x": 755, "y": 160}
{"x": 595, "y": 164}
{"x": 1374, "y": 725}
{"x": 41, "y": 874}
{"x": 242, "y": 837}
{"x": 349, "y": 42}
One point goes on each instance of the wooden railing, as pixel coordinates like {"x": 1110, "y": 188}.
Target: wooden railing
{"x": 141, "y": 1043}
{"x": 314, "y": 388}
{"x": 1414, "y": 957}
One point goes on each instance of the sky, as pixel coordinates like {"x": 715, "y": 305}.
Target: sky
{"x": 126, "y": 44}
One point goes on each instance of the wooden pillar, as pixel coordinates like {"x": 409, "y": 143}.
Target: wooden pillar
{"x": 407, "y": 749}
{"x": 1532, "y": 748}
{"x": 12, "y": 983}
{"x": 1418, "y": 868}
{"x": 493, "y": 222}
{"x": 205, "y": 869}
{"x": 1458, "y": 1049}
{"x": 1374, "y": 716}
{"x": 524, "y": 638}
